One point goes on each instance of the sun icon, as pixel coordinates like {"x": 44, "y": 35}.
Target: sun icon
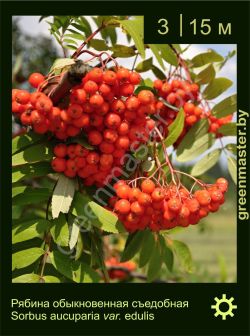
{"x": 224, "y": 307}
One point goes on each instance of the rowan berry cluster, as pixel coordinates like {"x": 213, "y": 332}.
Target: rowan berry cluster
{"x": 181, "y": 93}
{"x": 161, "y": 208}
{"x": 216, "y": 123}
{"x": 92, "y": 166}
{"x": 119, "y": 270}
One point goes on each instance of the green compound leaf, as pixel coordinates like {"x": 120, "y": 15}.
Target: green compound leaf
{"x": 27, "y": 278}
{"x": 122, "y": 51}
{"x": 225, "y": 107}
{"x": 168, "y": 54}
{"x": 175, "y": 128}
{"x": 188, "y": 151}
{"x": 183, "y": 255}
{"x": 60, "y": 64}
{"x": 232, "y": 168}
{"x": 25, "y": 258}
{"x": 60, "y": 230}
{"x": 30, "y": 195}
{"x": 31, "y": 170}
{"x": 216, "y": 87}
{"x": 23, "y": 141}
{"x": 91, "y": 213}
{"x": 229, "y": 129}
{"x": 135, "y": 29}
{"x": 62, "y": 196}
{"x": 133, "y": 245}
{"x": 166, "y": 253}
{"x": 205, "y": 58}
{"x": 156, "y": 50}
{"x": 145, "y": 65}
{"x": 146, "y": 248}
{"x": 29, "y": 230}
{"x": 206, "y": 75}
{"x": 98, "y": 45}
{"x": 36, "y": 153}
{"x": 75, "y": 270}
{"x": 155, "y": 263}
{"x": 51, "y": 279}
{"x": 206, "y": 163}
{"x": 232, "y": 148}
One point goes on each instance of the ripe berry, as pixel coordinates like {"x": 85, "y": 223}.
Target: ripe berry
{"x": 118, "y": 184}
{"x": 191, "y": 120}
{"x": 58, "y": 164}
{"x": 122, "y": 206}
{"x": 96, "y": 100}
{"x": 94, "y": 138}
{"x": 216, "y": 195}
{"x": 122, "y": 142}
{"x": 122, "y": 74}
{"x": 145, "y": 97}
{"x": 106, "y": 160}
{"x": 37, "y": 117}
{"x": 137, "y": 208}
{"x": 112, "y": 120}
{"x": 71, "y": 165}
{"x": 132, "y": 103}
{"x": 81, "y": 151}
{"x": 122, "y": 191}
{"x": 166, "y": 89}
{"x": 70, "y": 173}
{"x": 126, "y": 89}
{"x": 106, "y": 147}
{"x": 71, "y": 151}
{"x": 148, "y": 186}
{"x": 93, "y": 158}
{"x": 171, "y": 98}
{"x": 123, "y": 129}
{"x": 80, "y": 162}
{"x": 214, "y": 206}
{"x": 44, "y": 105}
{"x": 60, "y": 150}
{"x": 134, "y": 194}
{"x": 22, "y": 97}
{"x": 118, "y": 106}
{"x": 96, "y": 120}
{"x": 193, "y": 205}
{"x": 82, "y": 121}
{"x": 26, "y": 118}
{"x": 144, "y": 199}
{"x": 158, "y": 84}
{"x": 134, "y": 78}
{"x": 222, "y": 184}
{"x": 72, "y": 131}
{"x": 34, "y": 96}
{"x": 16, "y": 107}
{"x": 109, "y": 77}
{"x": 75, "y": 111}
{"x": 203, "y": 197}
{"x": 184, "y": 212}
{"x": 35, "y": 79}
{"x": 158, "y": 195}
{"x": 55, "y": 114}
{"x": 174, "y": 204}
{"x": 189, "y": 108}
{"x": 110, "y": 135}
{"x": 90, "y": 87}
{"x": 78, "y": 96}
{"x": 96, "y": 75}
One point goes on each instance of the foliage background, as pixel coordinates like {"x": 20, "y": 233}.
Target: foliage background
{"x": 213, "y": 242}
